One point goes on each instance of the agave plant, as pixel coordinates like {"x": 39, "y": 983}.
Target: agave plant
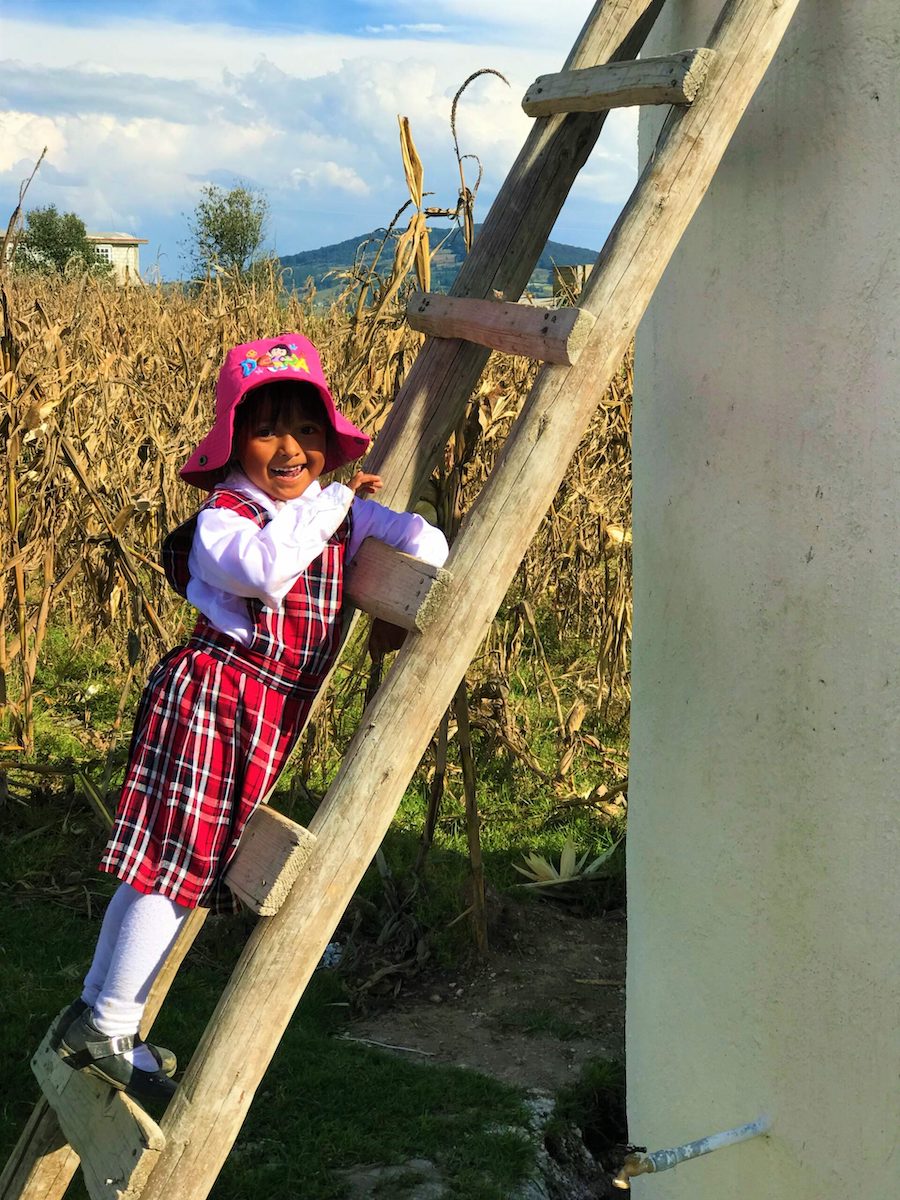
{"x": 541, "y": 873}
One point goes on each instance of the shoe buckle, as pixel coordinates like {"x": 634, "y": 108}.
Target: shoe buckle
{"x": 111, "y": 1045}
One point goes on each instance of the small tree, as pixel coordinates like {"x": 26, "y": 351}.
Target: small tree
{"x": 53, "y": 242}
{"x": 227, "y": 229}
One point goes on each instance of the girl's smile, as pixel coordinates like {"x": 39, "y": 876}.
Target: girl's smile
{"x": 284, "y": 452}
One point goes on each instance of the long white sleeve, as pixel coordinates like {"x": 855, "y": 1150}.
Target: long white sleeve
{"x": 234, "y": 555}
{"x": 406, "y": 531}
{"x": 233, "y": 559}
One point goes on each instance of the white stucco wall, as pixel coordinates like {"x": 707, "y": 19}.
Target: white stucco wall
{"x": 763, "y": 823}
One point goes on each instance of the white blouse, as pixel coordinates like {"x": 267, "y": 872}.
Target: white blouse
{"x": 233, "y": 559}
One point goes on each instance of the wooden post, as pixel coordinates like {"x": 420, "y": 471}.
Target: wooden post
{"x": 207, "y": 1112}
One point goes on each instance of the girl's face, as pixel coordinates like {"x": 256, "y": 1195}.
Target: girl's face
{"x": 281, "y": 447}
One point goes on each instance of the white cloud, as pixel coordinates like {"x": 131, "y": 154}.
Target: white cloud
{"x": 167, "y": 50}
{"x": 139, "y": 115}
{"x": 328, "y": 175}
{"x": 22, "y": 136}
{"x": 420, "y": 28}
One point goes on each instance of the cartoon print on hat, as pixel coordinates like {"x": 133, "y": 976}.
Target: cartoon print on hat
{"x": 279, "y": 358}
{"x": 286, "y": 358}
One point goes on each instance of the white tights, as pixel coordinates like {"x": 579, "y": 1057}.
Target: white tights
{"x": 137, "y": 933}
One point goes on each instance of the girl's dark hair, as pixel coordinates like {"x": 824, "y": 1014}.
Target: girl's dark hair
{"x": 275, "y": 399}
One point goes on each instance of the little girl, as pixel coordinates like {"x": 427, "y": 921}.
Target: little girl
{"x": 220, "y": 715}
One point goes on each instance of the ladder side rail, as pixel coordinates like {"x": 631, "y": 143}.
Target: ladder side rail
{"x": 205, "y": 1116}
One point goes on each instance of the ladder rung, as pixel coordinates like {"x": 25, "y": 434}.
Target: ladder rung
{"x": 394, "y": 586}
{"x": 269, "y": 857}
{"x": 554, "y": 335}
{"x": 672, "y": 79}
{"x": 117, "y": 1142}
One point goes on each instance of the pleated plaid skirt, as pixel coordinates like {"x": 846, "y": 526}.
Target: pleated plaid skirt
{"x": 209, "y": 743}
{"x": 216, "y": 724}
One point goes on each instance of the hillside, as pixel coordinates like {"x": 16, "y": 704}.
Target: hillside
{"x": 444, "y": 267}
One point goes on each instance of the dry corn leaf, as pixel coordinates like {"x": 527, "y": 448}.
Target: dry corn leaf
{"x": 412, "y": 164}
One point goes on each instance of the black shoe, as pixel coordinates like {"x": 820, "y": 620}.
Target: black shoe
{"x": 83, "y": 1047}
{"x": 166, "y": 1060}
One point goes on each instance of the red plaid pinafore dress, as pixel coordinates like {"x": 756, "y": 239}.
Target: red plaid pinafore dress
{"x": 216, "y": 723}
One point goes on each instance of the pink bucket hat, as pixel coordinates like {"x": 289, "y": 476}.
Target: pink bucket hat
{"x": 288, "y": 358}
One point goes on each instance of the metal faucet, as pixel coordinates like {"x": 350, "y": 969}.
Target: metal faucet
{"x": 663, "y": 1160}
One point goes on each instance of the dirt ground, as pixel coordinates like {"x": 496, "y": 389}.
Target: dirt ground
{"x": 550, "y": 997}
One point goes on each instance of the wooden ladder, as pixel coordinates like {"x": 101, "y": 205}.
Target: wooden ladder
{"x": 124, "y": 1154}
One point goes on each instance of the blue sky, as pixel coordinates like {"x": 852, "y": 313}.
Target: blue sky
{"x": 368, "y": 17}
{"x": 142, "y": 103}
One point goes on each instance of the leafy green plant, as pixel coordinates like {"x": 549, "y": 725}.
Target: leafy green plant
{"x": 541, "y": 873}
{"x": 227, "y": 229}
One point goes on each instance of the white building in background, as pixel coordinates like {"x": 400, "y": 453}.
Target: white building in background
{"x": 120, "y": 249}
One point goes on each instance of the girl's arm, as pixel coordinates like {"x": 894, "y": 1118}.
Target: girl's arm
{"x": 406, "y": 531}
{"x": 233, "y": 554}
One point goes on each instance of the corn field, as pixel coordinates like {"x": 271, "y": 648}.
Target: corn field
{"x": 104, "y": 393}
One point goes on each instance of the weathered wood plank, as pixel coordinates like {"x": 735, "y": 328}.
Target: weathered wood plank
{"x": 671, "y": 79}
{"x": 554, "y": 335}
{"x": 42, "y": 1162}
{"x": 270, "y": 855}
{"x": 394, "y": 586}
{"x": 117, "y": 1141}
{"x": 258, "y": 1003}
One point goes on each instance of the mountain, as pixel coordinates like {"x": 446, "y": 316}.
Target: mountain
{"x": 445, "y": 262}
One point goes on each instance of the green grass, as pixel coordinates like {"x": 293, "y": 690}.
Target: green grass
{"x": 325, "y": 1104}
{"x": 595, "y": 1103}
{"x": 541, "y": 1021}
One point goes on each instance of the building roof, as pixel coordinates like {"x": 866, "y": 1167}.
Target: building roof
{"x": 121, "y": 239}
